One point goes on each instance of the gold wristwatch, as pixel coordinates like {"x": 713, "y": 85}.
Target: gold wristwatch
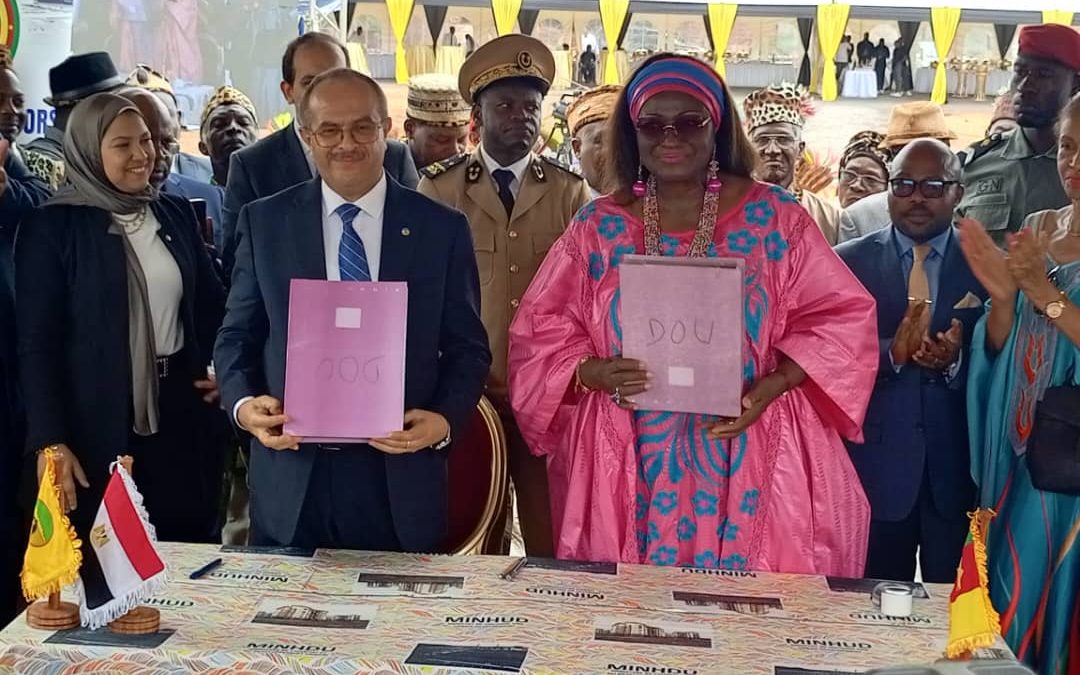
{"x": 1054, "y": 310}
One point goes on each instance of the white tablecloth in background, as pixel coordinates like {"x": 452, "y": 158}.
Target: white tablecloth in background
{"x": 996, "y": 81}
{"x": 860, "y": 83}
{"x": 757, "y": 74}
{"x": 448, "y": 59}
{"x": 381, "y": 66}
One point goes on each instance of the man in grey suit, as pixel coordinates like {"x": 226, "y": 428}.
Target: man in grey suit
{"x": 282, "y": 159}
{"x": 907, "y": 122}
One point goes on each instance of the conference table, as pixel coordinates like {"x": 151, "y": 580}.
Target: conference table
{"x": 328, "y": 611}
{"x": 859, "y": 83}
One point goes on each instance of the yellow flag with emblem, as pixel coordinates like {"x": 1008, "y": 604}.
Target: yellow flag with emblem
{"x": 52, "y": 557}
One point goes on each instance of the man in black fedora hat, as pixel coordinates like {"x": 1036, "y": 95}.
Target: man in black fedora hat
{"x": 74, "y": 79}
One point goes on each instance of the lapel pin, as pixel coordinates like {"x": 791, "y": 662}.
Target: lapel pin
{"x": 405, "y": 231}
{"x": 168, "y": 237}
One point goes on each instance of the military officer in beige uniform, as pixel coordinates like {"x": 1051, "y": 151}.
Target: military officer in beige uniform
{"x": 1012, "y": 175}
{"x": 518, "y": 204}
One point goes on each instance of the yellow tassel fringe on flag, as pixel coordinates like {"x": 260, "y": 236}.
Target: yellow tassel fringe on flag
{"x": 52, "y": 557}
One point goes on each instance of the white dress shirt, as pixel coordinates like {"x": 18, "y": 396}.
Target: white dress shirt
{"x": 368, "y": 224}
{"x": 164, "y": 285}
{"x": 305, "y": 148}
{"x": 517, "y": 168}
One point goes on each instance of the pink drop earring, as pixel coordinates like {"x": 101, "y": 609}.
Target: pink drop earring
{"x": 714, "y": 183}
{"x": 639, "y": 185}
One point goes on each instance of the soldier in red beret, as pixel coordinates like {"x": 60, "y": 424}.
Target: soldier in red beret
{"x": 1010, "y": 175}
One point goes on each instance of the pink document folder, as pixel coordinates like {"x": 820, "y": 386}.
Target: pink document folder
{"x": 683, "y": 317}
{"x": 345, "y": 360}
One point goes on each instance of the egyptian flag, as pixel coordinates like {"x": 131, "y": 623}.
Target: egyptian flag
{"x": 973, "y": 622}
{"x": 121, "y": 567}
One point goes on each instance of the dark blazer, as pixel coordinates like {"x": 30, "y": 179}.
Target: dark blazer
{"x": 916, "y": 419}
{"x": 446, "y": 353}
{"x": 278, "y": 162}
{"x": 72, "y": 326}
{"x": 187, "y": 188}
{"x": 23, "y": 194}
{"x": 195, "y": 167}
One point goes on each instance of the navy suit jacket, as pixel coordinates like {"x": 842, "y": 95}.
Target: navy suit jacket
{"x": 916, "y": 423}
{"x": 278, "y": 162}
{"x": 188, "y": 188}
{"x": 446, "y": 354}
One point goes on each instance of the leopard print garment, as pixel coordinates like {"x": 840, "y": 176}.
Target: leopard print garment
{"x": 44, "y": 167}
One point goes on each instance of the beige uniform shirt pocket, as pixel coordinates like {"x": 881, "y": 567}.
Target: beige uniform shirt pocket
{"x": 484, "y": 246}
{"x": 991, "y": 209}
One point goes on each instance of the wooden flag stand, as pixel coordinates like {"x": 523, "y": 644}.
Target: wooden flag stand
{"x": 141, "y": 620}
{"x": 53, "y": 614}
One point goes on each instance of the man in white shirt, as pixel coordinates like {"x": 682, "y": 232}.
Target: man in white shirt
{"x": 352, "y": 223}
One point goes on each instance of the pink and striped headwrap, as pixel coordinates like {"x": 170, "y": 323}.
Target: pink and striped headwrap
{"x": 682, "y": 74}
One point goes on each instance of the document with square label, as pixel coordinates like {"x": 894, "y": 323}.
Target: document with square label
{"x": 345, "y": 359}
{"x": 683, "y": 317}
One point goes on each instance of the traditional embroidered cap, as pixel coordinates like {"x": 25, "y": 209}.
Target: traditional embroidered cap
{"x": 226, "y": 95}
{"x": 509, "y": 56}
{"x": 595, "y": 105}
{"x": 81, "y": 75}
{"x": 147, "y": 78}
{"x": 1052, "y": 41}
{"x": 867, "y": 144}
{"x": 434, "y": 100}
{"x": 788, "y": 103}
{"x": 919, "y": 119}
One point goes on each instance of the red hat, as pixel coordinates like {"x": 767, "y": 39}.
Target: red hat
{"x": 1052, "y": 41}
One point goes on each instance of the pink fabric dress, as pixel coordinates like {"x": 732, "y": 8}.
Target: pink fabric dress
{"x": 650, "y": 486}
{"x": 179, "y": 54}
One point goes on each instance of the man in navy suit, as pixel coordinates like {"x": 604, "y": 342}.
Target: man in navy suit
{"x": 353, "y": 223}
{"x": 282, "y": 159}
{"x": 914, "y": 460}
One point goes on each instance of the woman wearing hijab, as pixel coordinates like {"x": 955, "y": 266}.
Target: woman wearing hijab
{"x": 117, "y": 308}
{"x": 771, "y": 490}
{"x": 864, "y": 168}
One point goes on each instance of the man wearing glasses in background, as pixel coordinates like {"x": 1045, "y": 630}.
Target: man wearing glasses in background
{"x": 914, "y": 462}
{"x": 775, "y": 118}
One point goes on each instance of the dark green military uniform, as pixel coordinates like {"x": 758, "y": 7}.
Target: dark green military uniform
{"x": 1005, "y": 181}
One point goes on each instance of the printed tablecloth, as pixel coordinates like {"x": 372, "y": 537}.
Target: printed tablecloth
{"x": 352, "y": 612}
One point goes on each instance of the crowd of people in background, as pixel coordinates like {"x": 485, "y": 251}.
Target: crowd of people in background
{"x": 903, "y": 342}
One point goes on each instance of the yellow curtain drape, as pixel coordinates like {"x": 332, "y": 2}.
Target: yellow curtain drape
{"x": 612, "y": 15}
{"x": 831, "y": 21}
{"x": 400, "y": 12}
{"x": 506, "y": 14}
{"x": 721, "y": 21}
{"x": 945, "y": 21}
{"x": 1061, "y": 16}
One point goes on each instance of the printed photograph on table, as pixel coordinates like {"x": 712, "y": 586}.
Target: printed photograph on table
{"x": 313, "y": 613}
{"x": 368, "y": 583}
{"x": 845, "y": 585}
{"x": 742, "y": 604}
{"x": 554, "y": 565}
{"x": 84, "y": 637}
{"x": 469, "y": 657}
{"x": 653, "y": 632}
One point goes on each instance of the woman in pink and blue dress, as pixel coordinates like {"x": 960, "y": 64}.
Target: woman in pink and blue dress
{"x": 770, "y": 490}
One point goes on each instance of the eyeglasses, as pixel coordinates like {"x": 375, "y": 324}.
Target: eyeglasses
{"x": 850, "y": 178}
{"x": 362, "y": 132}
{"x": 683, "y": 126}
{"x": 784, "y": 143}
{"x": 931, "y": 188}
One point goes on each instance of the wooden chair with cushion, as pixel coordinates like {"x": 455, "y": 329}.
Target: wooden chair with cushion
{"x": 479, "y": 482}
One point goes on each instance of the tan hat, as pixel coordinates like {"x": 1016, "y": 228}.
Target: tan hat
{"x": 919, "y": 119}
{"x": 434, "y": 100}
{"x": 595, "y": 105}
{"x": 505, "y": 57}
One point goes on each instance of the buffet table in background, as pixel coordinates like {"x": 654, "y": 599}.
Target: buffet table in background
{"x": 859, "y": 83}
{"x": 757, "y": 74}
{"x": 996, "y": 81}
{"x": 347, "y": 612}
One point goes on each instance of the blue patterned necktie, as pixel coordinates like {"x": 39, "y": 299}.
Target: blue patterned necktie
{"x": 352, "y": 258}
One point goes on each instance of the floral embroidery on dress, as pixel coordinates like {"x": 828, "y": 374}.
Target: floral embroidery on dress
{"x": 783, "y": 196}
{"x": 750, "y": 502}
{"x": 775, "y": 245}
{"x": 596, "y": 266}
{"x": 706, "y": 559}
{"x": 619, "y": 251}
{"x": 759, "y": 213}
{"x": 611, "y": 226}
{"x": 742, "y": 241}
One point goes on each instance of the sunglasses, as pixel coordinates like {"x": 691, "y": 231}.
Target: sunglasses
{"x": 931, "y": 188}
{"x": 683, "y": 126}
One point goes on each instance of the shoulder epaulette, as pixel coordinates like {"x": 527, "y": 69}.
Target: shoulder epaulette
{"x": 559, "y": 165}
{"x": 983, "y": 147}
{"x": 439, "y": 168}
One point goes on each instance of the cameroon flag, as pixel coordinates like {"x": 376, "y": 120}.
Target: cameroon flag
{"x": 53, "y": 557}
{"x": 973, "y": 622}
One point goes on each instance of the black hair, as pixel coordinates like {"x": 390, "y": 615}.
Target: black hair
{"x": 288, "y": 69}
